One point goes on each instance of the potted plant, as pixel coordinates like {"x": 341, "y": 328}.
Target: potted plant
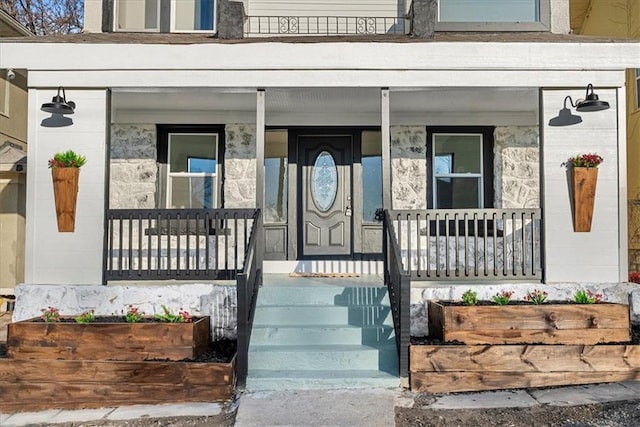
{"x": 584, "y": 176}
{"x": 65, "y": 169}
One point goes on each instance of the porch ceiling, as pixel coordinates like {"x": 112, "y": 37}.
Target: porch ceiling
{"x": 319, "y": 100}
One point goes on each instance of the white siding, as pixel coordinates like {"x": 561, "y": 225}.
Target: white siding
{"x": 69, "y": 258}
{"x": 571, "y": 256}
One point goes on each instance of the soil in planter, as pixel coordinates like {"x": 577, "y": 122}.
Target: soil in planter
{"x": 109, "y": 319}
{"x": 635, "y": 339}
{"x": 512, "y": 302}
{"x": 219, "y": 351}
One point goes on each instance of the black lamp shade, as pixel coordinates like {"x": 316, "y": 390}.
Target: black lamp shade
{"x": 591, "y": 102}
{"x": 59, "y": 104}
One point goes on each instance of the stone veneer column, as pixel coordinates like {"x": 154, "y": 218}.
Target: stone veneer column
{"x": 134, "y": 169}
{"x": 408, "y": 167}
{"x": 516, "y": 160}
{"x": 240, "y": 166}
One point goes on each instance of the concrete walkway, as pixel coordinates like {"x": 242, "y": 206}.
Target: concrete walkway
{"x": 338, "y": 407}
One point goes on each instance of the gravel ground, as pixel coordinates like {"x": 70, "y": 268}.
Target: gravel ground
{"x": 614, "y": 414}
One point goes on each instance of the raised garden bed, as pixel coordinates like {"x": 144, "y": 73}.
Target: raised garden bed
{"x": 108, "y": 340}
{"x": 45, "y": 365}
{"x": 530, "y": 324}
{"x": 524, "y": 346}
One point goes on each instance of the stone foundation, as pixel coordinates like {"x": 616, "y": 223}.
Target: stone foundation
{"x": 215, "y": 300}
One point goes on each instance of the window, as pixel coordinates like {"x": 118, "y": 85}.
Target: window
{"x": 160, "y": 16}
{"x": 192, "y": 15}
{"x": 638, "y": 88}
{"x": 137, "y": 15}
{"x": 461, "y": 166}
{"x": 190, "y": 166}
{"x": 371, "y": 175}
{"x": 522, "y": 15}
{"x": 275, "y": 177}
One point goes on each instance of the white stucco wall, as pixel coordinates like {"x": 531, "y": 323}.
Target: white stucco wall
{"x": 571, "y": 256}
{"x": 70, "y": 258}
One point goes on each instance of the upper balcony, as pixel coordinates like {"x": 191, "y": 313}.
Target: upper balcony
{"x": 270, "y": 18}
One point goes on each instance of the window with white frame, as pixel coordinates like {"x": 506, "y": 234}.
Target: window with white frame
{"x": 190, "y": 16}
{"x": 461, "y": 166}
{"x": 493, "y": 14}
{"x": 192, "y": 170}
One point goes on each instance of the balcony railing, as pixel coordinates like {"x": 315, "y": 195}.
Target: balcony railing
{"x": 475, "y": 244}
{"x": 181, "y": 244}
{"x": 323, "y": 25}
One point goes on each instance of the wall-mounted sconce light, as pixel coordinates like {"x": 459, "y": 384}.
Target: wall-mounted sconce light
{"x": 59, "y": 104}
{"x": 591, "y": 102}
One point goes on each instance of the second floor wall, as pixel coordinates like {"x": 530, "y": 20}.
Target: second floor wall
{"x": 202, "y": 15}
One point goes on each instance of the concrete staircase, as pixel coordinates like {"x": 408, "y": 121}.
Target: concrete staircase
{"x": 321, "y": 336}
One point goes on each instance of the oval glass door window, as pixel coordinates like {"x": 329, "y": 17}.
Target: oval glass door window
{"x": 324, "y": 181}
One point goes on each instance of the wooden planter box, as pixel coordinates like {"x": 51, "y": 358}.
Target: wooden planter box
{"x": 585, "y": 324}
{"x": 108, "y": 341}
{"x": 457, "y": 368}
{"x": 30, "y": 385}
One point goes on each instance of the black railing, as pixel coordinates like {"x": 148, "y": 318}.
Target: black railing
{"x": 323, "y": 25}
{"x": 398, "y": 284}
{"x": 180, "y": 244}
{"x": 248, "y": 284}
{"x": 476, "y": 244}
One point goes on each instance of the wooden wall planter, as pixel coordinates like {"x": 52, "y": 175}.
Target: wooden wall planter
{"x": 585, "y": 324}
{"x": 457, "y": 368}
{"x": 65, "y": 192}
{"x": 30, "y": 385}
{"x": 108, "y": 341}
{"x": 583, "y": 182}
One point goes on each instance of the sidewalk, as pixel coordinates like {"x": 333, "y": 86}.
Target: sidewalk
{"x": 334, "y": 407}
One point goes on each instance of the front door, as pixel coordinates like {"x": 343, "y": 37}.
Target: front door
{"x": 325, "y": 211}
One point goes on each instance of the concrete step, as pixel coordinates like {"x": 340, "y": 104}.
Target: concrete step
{"x": 322, "y": 295}
{"x": 323, "y": 315}
{"x": 322, "y": 335}
{"x": 307, "y": 380}
{"x": 322, "y": 357}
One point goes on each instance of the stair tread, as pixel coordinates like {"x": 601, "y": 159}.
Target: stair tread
{"x": 356, "y": 373}
{"x": 320, "y": 326}
{"x": 320, "y": 348}
{"x": 307, "y": 305}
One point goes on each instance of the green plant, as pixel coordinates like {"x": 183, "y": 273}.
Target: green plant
{"x": 133, "y": 314}
{"x": 536, "y": 297}
{"x": 589, "y": 160}
{"x": 86, "y": 317}
{"x": 470, "y": 298}
{"x": 67, "y": 159}
{"x": 50, "y": 314}
{"x": 169, "y": 316}
{"x": 587, "y": 297}
{"x": 502, "y": 298}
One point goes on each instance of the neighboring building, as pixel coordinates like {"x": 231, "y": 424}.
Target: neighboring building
{"x": 620, "y": 19}
{"x": 13, "y": 151}
{"x": 462, "y": 136}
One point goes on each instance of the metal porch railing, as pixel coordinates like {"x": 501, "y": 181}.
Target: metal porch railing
{"x": 181, "y": 244}
{"x": 323, "y": 25}
{"x": 248, "y": 285}
{"x": 475, "y": 244}
{"x": 398, "y": 284}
